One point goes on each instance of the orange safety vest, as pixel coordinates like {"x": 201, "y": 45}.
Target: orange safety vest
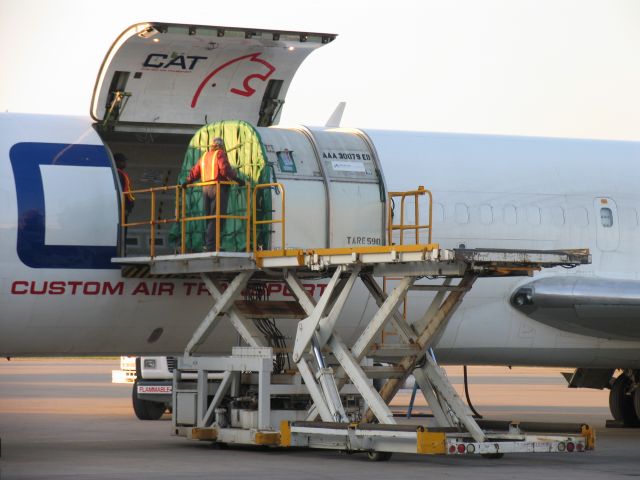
{"x": 126, "y": 188}
{"x": 209, "y": 166}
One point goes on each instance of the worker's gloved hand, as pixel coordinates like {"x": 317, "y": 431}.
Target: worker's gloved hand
{"x": 184, "y": 184}
{"x": 240, "y": 181}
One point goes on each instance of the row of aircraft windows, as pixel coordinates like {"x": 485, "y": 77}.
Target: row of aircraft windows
{"x": 532, "y": 215}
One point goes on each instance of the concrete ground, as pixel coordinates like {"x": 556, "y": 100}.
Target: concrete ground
{"x": 64, "y": 419}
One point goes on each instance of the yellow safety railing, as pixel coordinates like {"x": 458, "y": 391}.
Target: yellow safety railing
{"x": 217, "y": 217}
{"x": 180, "y": 215}
{"x": 257, "y": 222}
{"x": 152, "y": 222}
{"x": 251, "y": 216}
{"x": 416, "y": 226}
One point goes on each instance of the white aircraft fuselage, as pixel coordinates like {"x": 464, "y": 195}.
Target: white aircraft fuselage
{"x": 59, "y": 221}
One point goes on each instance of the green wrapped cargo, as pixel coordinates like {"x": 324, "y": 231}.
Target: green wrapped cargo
{"x": 247, "y": 155}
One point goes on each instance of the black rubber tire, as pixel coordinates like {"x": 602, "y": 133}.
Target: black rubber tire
{"x": 492, "y": 456}
{"x": 636, "y": 402}
{"x": 144, "y": 409}
{"x": 379, "y": 456}
{"x": 622, "y": 405}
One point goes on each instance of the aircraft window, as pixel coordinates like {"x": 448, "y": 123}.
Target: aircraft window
{"x": 486, "y": 214}
{"x": 578, "y": 217}
{"x": 462, "y": 213}
{"x": 438, "y": 213}
{"x": 510, "y": 215}
{"x": 555, "y": 216}
{"x": 533, "y": 215}
{"x": 606, "y": 217}
{"x": 628, "y": 217}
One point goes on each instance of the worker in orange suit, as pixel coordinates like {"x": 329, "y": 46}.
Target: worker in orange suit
{"x": 127, "y": 187}
{"x": 125, "y": 183}
{"x": 213, "y": 166}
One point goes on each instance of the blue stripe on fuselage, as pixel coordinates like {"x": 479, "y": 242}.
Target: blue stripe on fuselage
{"x": 26, "y": 159}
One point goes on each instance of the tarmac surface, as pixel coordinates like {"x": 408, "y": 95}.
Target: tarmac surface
{"x": 64, "y": 419}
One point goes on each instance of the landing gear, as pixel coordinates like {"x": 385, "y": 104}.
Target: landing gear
{"x": 624, "y": 404}
{"x": 144, "y": 409}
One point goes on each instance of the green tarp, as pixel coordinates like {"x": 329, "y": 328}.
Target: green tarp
{"x": 247, "y": 155}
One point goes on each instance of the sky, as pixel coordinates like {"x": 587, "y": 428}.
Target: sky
{"x": 561, "y": 68}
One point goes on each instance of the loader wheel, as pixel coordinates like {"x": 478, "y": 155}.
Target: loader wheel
{"x": 636, "y": 402}
{"x": 379, "y": 456}
{"x": 144, "y": 409}
{"x": 622, "y": 405}
{"x": 492, "y": 456}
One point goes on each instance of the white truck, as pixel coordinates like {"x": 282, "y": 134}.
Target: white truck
{"x": 152, "y": 384}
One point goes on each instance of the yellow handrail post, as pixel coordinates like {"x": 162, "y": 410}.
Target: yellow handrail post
{"x": 402, "y": 219}
{"x": 176, "y": 212}
{"x": 254, "y": 210}
{"x": 183, "y": 221}
{"x": 152, "y": 238}
{"x": 430, "y": 214}
{"x": 416, "y": 217}
{"x": 283, "y": 218}
{"x": 416, "y": 227}
{"x": 389, "y": 219}
{"x": 257, "y": 222}
{"x": 217, "y": 217}
{"x": 248, "y": 221}
{"x": 123, "y": 223}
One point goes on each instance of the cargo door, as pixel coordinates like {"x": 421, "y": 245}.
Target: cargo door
{"x": 191, "y": 75}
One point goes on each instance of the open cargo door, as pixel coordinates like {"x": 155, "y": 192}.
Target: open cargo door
{"x": 158, "y": 73}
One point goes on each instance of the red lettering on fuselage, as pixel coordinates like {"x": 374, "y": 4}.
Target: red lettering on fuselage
{"x": 74, "y": 286}
{"x": 109, "y": 289}
{"x": 60, "y": 287}
{"x": 165, "y": 287}
{"x": 141, "y": 289}
{"x": 19, "y": 287}
{"x": 56, "y": 288}
{"x": 310, "y": 288}
{"x": 91, "y": 288}
{"x": 36, "y": 289}
{"x": 189, "y": 286}
{"x": 106, "y": 288}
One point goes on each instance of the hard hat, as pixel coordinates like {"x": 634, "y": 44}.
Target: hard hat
{"x": 218, "y": 141}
